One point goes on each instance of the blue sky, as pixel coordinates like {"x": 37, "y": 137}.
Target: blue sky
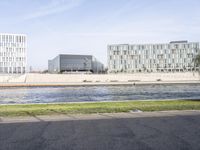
{"x": 87, "y": 26}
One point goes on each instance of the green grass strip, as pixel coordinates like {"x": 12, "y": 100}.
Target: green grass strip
{"x": 96, "y": 107}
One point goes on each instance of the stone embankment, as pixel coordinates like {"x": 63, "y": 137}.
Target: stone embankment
{"x": 31, "y": 79}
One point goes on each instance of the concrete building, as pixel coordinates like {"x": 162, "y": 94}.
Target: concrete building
{"x": 12, "y": 53}
{"x": 74, "y": 63}
{"x": 176, "y": 56}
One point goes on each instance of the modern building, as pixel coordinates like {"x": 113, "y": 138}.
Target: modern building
{"x": 176, "y": 56}
{"x": 74, "y": 63}
{"x": 13, "y": 53}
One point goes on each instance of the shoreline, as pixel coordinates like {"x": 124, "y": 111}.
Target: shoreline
{"x": 43, "y": 80}
{"x": 90, "y": 102}
{"x": 53, "y": 84}
{"x": 98, "y": 107}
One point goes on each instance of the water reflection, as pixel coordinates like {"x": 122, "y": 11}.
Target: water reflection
{"x": 98, "y": 93}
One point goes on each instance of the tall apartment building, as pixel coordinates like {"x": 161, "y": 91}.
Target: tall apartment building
{"x": 176, "y": 56}
{"x": 12, "y": 53}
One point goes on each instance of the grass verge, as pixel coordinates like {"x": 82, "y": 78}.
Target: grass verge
{"x": 98, "y": 107}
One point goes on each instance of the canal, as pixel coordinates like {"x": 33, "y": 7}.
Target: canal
{"x": 98, "y": 93}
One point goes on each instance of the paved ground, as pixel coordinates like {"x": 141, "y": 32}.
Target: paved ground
{"x": 58, "y": 84}
{"x": 124, "y": 131}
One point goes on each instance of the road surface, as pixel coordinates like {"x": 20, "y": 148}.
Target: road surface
{"x": 175, "y": 130}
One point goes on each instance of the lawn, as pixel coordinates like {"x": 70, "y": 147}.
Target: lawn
{"x": 96, "y": 107}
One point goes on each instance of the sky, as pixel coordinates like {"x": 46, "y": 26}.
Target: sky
{"x": 87, "y": 26}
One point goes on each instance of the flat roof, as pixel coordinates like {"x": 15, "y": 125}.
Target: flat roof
{"x": 13, "y": 34}
{"x": 172, "y": 42}
{"x": 73, "y": 55}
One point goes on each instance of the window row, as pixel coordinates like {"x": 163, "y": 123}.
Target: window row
{"x": 150, "y": 52}
{"x": 12, "y": 38}
{"x": 12, "y": 59}
{"x": 156, "y": 47}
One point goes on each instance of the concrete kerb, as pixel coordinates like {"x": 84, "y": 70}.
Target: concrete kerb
{"x": 98, "y": 116}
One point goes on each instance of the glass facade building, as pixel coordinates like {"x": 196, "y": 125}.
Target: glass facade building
{"x": 13, "y": 53}
{"x": 68, "y": 63}
{"x": 176, "y": 56}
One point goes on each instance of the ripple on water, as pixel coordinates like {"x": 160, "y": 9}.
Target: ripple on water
{"x": 98, "y": 93}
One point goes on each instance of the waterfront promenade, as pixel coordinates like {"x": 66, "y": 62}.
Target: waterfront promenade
{"x": 97, "y": 79}
{"x": 174, "y": 130}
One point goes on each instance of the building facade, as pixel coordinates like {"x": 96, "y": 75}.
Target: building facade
{"x": 13, "y": 53}
{"x": 74, "y": 63}
{"x": 176, "y": 56}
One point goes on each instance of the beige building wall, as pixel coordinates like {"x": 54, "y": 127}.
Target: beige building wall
{"x": 13, "y": 53}
{"x": 175, "y": 56}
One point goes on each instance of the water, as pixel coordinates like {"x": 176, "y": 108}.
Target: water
{"x": 98, "y": 93}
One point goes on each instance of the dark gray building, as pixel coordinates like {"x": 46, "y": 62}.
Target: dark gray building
{"x": 71, "y": 63}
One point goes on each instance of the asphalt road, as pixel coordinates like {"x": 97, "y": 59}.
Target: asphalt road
{"x": 146, "y": 131}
